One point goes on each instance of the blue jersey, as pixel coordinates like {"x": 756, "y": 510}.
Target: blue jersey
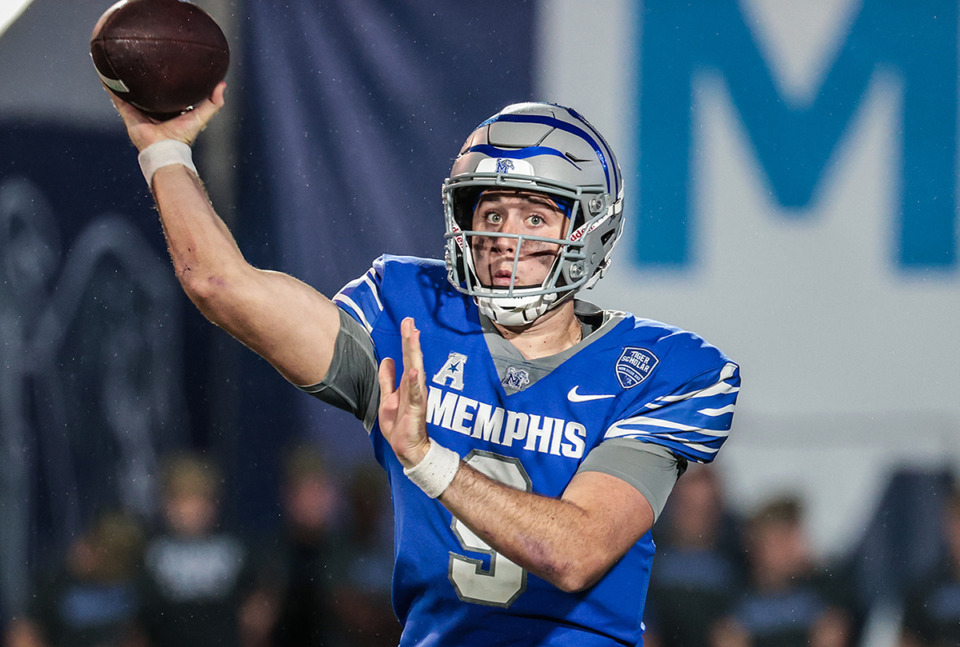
{"x": 632, "y": 378}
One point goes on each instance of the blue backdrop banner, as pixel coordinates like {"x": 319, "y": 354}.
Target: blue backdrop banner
{"x": 354, "y": 111}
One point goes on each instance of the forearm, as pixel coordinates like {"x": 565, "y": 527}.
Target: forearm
{"x": 530, "y": 530}
{"x": 201, "y": 246}
{"x": 568, "y": 541}
{"x": 285, "y": 321}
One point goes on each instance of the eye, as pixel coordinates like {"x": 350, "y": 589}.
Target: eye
{"x": 536, "y": 220}
{"x": 493, "y": 217}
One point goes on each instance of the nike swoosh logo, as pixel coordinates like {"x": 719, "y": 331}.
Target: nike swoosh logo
{"x": 573, "y": 396}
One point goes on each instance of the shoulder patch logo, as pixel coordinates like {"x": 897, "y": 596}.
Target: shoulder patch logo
{"x": 634, "y": 366}
{"x": 452, "y": 370}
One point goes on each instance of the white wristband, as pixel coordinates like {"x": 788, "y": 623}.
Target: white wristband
{"x": 164, "y": 153}
{"x": 436, "y": 471}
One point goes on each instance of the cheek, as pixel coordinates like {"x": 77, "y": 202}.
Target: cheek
{"x": 543, "y": 252}
{"x": 479, "y": 247}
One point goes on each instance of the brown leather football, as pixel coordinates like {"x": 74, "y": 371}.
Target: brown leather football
{"x": 162, "y": 56}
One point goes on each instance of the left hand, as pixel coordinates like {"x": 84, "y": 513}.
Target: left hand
{"x": 403, "y": 411}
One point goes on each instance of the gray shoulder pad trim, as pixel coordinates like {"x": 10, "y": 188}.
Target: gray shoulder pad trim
{"x": 351, "y": 382}
{"x": 653, "y": 470}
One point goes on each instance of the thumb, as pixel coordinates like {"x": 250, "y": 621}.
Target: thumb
{"x": 205, "y": 110}
{"x": 387, "y": 376}
{"x": 189, "y": 125}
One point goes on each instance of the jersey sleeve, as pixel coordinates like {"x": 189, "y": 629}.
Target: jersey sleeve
{"x": 692, "y": 421}
{"x": 351, "y": 381}
{"x": 361, "y": 298}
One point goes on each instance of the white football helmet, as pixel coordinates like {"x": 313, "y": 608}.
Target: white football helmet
{"x": 552, "y": 150}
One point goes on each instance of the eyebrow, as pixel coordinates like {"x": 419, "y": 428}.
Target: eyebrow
{"x": 531, "y": 197}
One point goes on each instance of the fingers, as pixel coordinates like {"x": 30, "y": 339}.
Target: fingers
{"x": 412, "y": 383}
{"x": 203, "y": 112}
{"x": 144, "y": 130}
{"x": 218, "y": 94}
{"x": 412, "y": 355}
{"x": 129, "y": 114}
{"x": 403, "y": 407}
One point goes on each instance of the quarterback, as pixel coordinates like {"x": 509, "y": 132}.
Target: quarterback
{"x": 530, "y": 438}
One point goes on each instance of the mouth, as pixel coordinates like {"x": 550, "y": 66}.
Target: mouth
{"x": 501, "y": 278}
{"x": 500, "y": 270}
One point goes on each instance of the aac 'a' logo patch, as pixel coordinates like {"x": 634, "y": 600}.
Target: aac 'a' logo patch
{"x": 634, "y": 366}
{"x": 452, "y": 371}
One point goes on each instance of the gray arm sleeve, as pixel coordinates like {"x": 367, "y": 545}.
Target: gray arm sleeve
{"x": 351, "y": 382}
{"x": 650, "y": 468}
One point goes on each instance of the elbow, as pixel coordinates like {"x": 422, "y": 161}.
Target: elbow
{"x": 578, "y": 576}
{"x": 575, "y": 583}
{"x": 202, "y": 288}
{"x": 207, "y": 290}
{"x": 578, "y": 566}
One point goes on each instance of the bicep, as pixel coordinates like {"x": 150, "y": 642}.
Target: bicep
{"x": 284, "y": 320}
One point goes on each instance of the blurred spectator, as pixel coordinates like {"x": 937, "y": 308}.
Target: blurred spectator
{"x": 196, "y": 577}
{"x": 365, "y": 564}
{"x": 697, "y": 573}
{"x": 91, "y": 600}
{"x": 789, "y": 601}
{"x": 931, "y": 615}
{"x": 296, "y": 568}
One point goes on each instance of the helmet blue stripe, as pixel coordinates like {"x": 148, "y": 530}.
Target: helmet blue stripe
{"x": 570, "y": 128}
{"x": 518, "y": 153}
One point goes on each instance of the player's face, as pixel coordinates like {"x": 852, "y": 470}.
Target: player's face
{"x": 522, "y": 213}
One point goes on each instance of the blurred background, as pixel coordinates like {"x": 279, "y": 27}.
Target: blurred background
{"x": 791, "y": 176}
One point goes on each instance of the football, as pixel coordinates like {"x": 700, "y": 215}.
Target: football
{"x": 162, "y": 56}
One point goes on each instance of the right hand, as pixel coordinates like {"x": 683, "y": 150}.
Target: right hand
{"x": 144, "y": 131}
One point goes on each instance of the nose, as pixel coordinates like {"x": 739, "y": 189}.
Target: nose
{"x": 509, "y": 225}
{"x": 504, "y": 244}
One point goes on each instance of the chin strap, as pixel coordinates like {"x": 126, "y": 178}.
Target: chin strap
{"x": 516, "y": 311}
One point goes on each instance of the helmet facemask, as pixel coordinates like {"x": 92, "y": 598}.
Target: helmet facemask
{"x": 580, "y": 180}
